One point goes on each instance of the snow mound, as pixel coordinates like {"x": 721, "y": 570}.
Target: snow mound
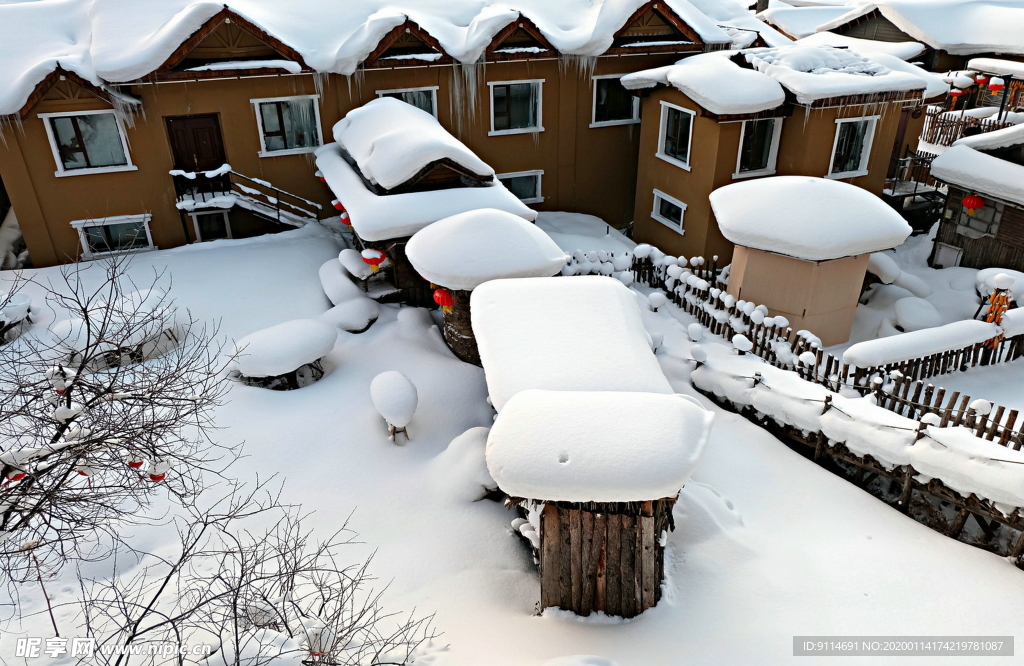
{"x": 352, "y": 261}
{"x": 283, "y": 348}
{"x": 985, "y": 281}
{"x": 391, "y": 141}
{"x": 596, "y": 446}
{"x": 971, "y": 169}
{"x": 462, "y": 467}
{"x": 913, "y": 284}
{"x": 883, "y": 267}
{"x": 915, "y": 314}
{"x": 465, "y": 250}
{"x": 338, "y": 287}
{"x": 395, "y": 397}
{"x": 917, "y": 344}
{"x": 867, "y": 47}
{"x": 354, "y": 316}
{"x": 815, "y": 219}
{"x": 16, "y": 307}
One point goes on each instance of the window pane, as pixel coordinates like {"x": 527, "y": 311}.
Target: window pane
{"x": 102, "y": 139}
{"x": 271, "y": 123}
{"x": 849, "y": 146}
{"x": 128, "y": 235}
{"x": 524, "y": 187}
{"x": 756, "y": 150}
{"x": 670, "y": 211}
{"x": 523, "y": 106}
{"x": 677, "y": 135}
{"x": 300, "y": 124}
{"x": 72, "y": 154}
{"x": 613, "y": 101}
{"x": 212, "y": 226}
{"x": 499, "y": 105}
{"x": 421, "y": 99}
{"x": 97, "y": 239}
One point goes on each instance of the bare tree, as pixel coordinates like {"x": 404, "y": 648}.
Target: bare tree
{"x": 255, "y": 597}
{"x": 96, "y": 419}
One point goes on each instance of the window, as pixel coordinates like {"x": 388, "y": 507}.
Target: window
{"x": 211, "y": 226}
{"x": 87, "y": 142}
{"x": 515, "y": 107}
{"x": 852, "y": 147}
{"x": 108, "y": 235}
{"x": 523, "y": 184}
{"x": 613, "y": 104}
{"x": 759, "y": 147}
{"x": 288, "y": 125}
{"x": 668, "y": 211}
{"x": 421, "y": 98}
{"x": 674, "y": 138}
{"x": 984, "y": 222}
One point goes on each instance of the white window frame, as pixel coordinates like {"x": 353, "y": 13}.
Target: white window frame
{"x": 431, "y": 89}
{"x": 61, "y": 171}
{"x": 87, "y": 253}
{"x": 540, "y": 108}
{"x": 289, "y": 151}
{"x": 662, "y": 122}
{"x": 539, "y": 173}
{"x": 678, "y": 228}
{"x": 865, "y": 154}
{"x": 195, "y": 223}
{"x": 773, "y": 152}
{"x": 593, "y": 105}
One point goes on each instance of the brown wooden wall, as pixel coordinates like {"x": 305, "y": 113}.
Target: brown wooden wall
{"x": 1004, "y": 250}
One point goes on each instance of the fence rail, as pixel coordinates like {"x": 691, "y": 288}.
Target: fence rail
{"x": 942, "y": 127}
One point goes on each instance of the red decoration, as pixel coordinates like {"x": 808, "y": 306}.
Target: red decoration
{"x": 346, "y": 219}
{"x": 981, "y": 79}
{"x": 972, "y": 203}
{"x": 337, "y": 204}
{"x": 955, "y": 92}
{"x": 15, "y": 475}
{"x": 320, "y": 176}
{"x": 374, "y": 258}
{"x": 135, "y": 464}
{"x": 996, "y": 85}
{"x": 158, "y": 477}
{"x": 83, "y": 472}
{"x": 444, "y": 298}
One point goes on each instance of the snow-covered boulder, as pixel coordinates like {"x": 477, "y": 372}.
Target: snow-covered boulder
{"x": 395, "y": 399}
{"x": 465, "y": 250}
{"x": 338, "y": 287}
{"x": 914, "y": 314}
{"x": 290, "y": 351}
{"x": 354, "y": 316}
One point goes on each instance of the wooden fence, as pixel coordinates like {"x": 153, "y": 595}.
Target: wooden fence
{"x": 942, "y": 130}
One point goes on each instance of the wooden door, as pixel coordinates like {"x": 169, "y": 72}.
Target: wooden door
{"x": 196, "y": 142}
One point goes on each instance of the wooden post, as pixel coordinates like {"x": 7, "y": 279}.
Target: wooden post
{"x": 550, "y": 540}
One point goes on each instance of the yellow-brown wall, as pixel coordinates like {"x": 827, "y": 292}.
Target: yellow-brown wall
{"x": 589, "y": 170}
{"x": 805, "y": 148}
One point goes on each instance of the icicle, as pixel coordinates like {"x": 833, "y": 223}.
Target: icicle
{"x": 583, "y": 64}
{"x": 463, "y": 102}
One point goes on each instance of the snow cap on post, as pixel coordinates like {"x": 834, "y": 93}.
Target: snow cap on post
{"x": 394, "y": 397}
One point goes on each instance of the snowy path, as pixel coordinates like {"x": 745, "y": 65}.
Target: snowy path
{"x": 767, "y": 546}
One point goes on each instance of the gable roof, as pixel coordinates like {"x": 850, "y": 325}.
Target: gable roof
{"x": 522, "y": 24}
{"x": 60, "y": 74}
{"x": 407, "y": 32}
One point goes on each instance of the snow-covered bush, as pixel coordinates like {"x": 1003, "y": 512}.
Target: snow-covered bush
{"x": 286, "y": 356}
{"x": 396, "y": 399}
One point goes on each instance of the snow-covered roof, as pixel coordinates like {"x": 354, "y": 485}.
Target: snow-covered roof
{"x": 391, "y": 141}
{"x": 468, "y": 249}
{"x": 596, "y": 446}
{"x": 382, "y": 217}
{"x": 739, "y": 23}
{"x": 285, "y": 347}
{"x": 558, "y": 333}
{"x": 1005, "y": 68}
{"x": 971, "y": 169}
{"x": 868, "y": 47}
{"x": 801, "y": 21}
{"x": 123, "y": 40}
{"x": 1003, "y": 138}
{"x": 960, "y": 27}
{"x": 715, "y": 82}
{"x": 814, "y": 219}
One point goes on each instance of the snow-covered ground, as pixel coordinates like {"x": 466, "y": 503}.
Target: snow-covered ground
{"x": 767, "y": 545}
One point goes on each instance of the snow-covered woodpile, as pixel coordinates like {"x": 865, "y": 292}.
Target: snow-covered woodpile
{"x": 589, "y": 440}
{"x": 459, "y": 253}
{"x": 284, "y": 357}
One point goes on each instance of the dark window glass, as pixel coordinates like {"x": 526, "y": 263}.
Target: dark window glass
{"x": 289, "y": 125}
{"x": 677, "y": 135}
{"x": 514, "y": 105}
{"x": 524, "y": 187}
{"x": 212, "y": 226}
{"x": 850, "y": 146}
{"x": 755, "y": 153}
{"x": 116, "y": 237}
{"x": 421, "y": 99}
{"x": 613, "y": 102}
{"x": 670, "y": 211}
{"x": 89, "y": 141}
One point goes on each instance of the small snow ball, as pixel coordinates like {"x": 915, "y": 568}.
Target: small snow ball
{"x": 1003, "y": 281}
{"x": 915, "y": 314}
{"x": 781, "y": 321}
{"x": 931, "y": 419}
{"x": 808, "y": 358}
{"x": 698, "y": 354}
{"x": 354, "y": 316}
{"x": 625, "y": 277}
{"x": 657, "y": 300}
{"x": 286, "y": 356}
{"x": 695, "y": 331}
{"x": 642, "y": 251}
{"x": 656, "y": 341}
{"x": 982, "y": 407}
{"x": 757, "y": 316}
{"x": 742, "y": 343}
{"x": 396, "y": 400}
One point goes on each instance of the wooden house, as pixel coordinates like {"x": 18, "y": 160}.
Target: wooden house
{"x": 710, "y": 121}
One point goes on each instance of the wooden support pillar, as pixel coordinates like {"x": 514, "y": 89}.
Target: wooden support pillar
{"x": 458, "y": 329}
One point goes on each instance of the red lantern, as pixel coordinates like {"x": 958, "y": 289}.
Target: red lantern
{"x": 981, "y": 79}
{"x": 158, "y": 477}
{"x": 995, "y": 85}
{"x": 136, "y": 464}
{"x": 346, "y": 219}
{"x": 444, "y": 298}
{"x": 338, "y": 205}
{"x": 972, "y": 203}
{"x": 15, "y": 475}
{"x": 374, "y": 258}
{"x": 320, "y": 177}
{"x": 955, "y": 92}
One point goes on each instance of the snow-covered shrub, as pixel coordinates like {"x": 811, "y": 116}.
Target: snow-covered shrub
{"x": 396, "y": 399}
{"x": 286, "y": 356}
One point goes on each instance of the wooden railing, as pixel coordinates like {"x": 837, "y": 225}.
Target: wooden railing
{"x": 258, "y": 196}
{"x": 942, "y": 128}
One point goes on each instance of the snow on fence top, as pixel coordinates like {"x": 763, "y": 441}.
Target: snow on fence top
{"x": 960, "y": 27}
{"x": 867, "y": 47}
{"x": 579, "y": 334}
{"x": 377, "y": 218}
{"x": 124, "y": 40}
{"x": 391, "y": 141}
{"x": 715, "y": 82}
{"x": 468, "y": 249}
{"x": 285, "y": 347}
{"x": 968, "y": 168}
{"x": 1010, "y": 68}
{"x": 815, "y": 219}
{"x": 1002, "y": 138}
{"x": 596, "y": 446}
{"x": 917, "y": 344}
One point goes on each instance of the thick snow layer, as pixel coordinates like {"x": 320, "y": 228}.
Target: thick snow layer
{"x": 395, "y": 397}
{"x": 353, "y": 315}
{"x": 915, "y": 314}
{"x": 1005, "y": 68}
{"x": 808, "y": 218}
{"x": 465, "y": 250}
{"x": 961, "y": 27}
{"x": 917, "y": 344}
{"x": 985, "y": 282}
{"x": 973, "y": 170}
{"x": 739, "y": 23}
{"x": 392, "y": 141}
{"x": 1013, "y": 322}
{"x": 279, "y": 349}
{"x": 884, "y": 267}
{"x": 585, "y": 233}
{"x": 799, "y": 22}
{"x": 336, "y": 284}
{"x": 715, "y": 82}
{"x": 578, "y": 334}
{"x": 1002, "y": 138}
{"x": 819, "y": 72}
{"x": 934, "y": 85}
{"x": 377, "y": 218}
{"x": 596, "y": 446}
{"x": 867, "y": 47}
